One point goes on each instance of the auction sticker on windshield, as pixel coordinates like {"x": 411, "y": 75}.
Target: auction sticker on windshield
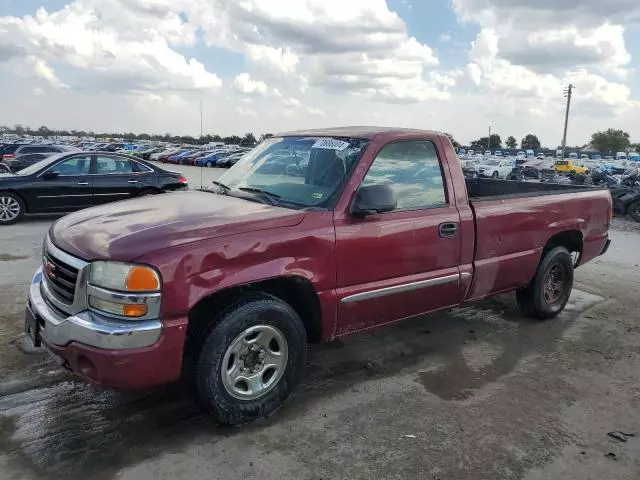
{"x": 331, "y": 144}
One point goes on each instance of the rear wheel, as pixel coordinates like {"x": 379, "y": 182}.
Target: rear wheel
{"x": 634, "y": 210}
{"x": 495, "y": 175}
{"x": 548, "y": 293}
{"x": 209, "y": 164}
{"x": 251, "y": 359}
{"x": 11, "y": 208}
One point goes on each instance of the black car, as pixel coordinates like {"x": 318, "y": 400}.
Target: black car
{"x": 71, "y": 181}
{"x": 23, "y": 161}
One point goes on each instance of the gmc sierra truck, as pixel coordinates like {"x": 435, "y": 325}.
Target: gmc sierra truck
{"x": 312, "y": 236}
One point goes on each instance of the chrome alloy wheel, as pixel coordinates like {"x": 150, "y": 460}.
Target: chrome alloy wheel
{"x": 9, "y": 209}
{"x": 254, "y": 362}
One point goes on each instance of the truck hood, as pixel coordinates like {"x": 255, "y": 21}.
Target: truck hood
{"x": 128, "y": 229}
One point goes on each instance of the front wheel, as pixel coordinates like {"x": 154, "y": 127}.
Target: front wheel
{"x": 251, "y": 360}
{"x": 11, "y": 208}
{"x": 548, "y": 293}
{"x": 495, "y": 175}
{"x": 209, "y": 164}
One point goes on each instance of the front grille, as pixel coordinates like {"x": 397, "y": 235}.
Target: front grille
{"x": 61, "y": 278}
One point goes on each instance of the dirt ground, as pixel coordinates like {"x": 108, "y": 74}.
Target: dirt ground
{"x": 476, "y": 393}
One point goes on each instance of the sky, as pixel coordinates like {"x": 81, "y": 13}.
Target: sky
{"x": 264, "y": 66}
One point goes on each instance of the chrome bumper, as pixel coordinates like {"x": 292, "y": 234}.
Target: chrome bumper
{"x": 90, "y": 328}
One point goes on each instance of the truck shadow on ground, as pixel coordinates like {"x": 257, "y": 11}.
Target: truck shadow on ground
{"x": 70, "y": 429}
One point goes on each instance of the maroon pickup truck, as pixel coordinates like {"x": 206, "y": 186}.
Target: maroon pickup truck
{"x": 313, "y": 235}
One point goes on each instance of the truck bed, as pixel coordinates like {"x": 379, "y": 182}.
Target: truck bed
{"x": 514, "y": 220}
{"x": 480, "y": 189}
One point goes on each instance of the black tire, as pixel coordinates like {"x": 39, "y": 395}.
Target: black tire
{"x": 209, "y": 164}
{"x": 634, "y": 210}
{"x": 495, "y": 175}
{"x": 9, "y": 202}
{"x": 534, "y": 300}
{"x": 251, "y": 310}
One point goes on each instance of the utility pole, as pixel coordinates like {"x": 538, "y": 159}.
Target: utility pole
{"x": 489, "y": 139}
{"x": 567, "y": 93}
{"x": 200, "y": 118}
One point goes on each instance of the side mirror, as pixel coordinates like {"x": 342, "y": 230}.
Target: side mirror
{"x": 50, "y": 175}
{"x": 372, "y": 199}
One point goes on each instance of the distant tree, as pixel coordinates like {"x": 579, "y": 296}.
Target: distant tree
{"x": 611, "y": 141}
{"x": 18, "y": 130}
{"x": 455, "y": 144}
{"x": 530, "y": 142}
{"x": 264, "y": 136}
{"x": 232, "y": 140}
{"x": 483, "y": 143}
{"x": 511, "y": 142}
{"x": 249, "y": 140}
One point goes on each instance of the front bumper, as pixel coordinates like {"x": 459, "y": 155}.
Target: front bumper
{"x": 90, "y": 328}
{"x": 107, "y": 352}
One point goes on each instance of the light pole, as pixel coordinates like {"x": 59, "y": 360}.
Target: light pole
{"x": 489, "y": 139}
{"x": 567, "y": 93}
{"x": 200, "y": 118}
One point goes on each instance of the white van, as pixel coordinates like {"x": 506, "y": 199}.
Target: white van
{"x": 621, "y": 156}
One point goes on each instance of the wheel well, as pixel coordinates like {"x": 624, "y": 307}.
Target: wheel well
{"x": 296, "y": 291}
{"x": 571, "y": 240}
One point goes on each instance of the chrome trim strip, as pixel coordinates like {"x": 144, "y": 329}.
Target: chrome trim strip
{"x": 63, "y": 256}
{"x": 465, "y": 275}
{"x": 151, "y": 300}
{"x": 90, "y": 328}
{"x": 110, "y": 194}
{"x": 406, "y": 287}
{"x": 65, "y": 196}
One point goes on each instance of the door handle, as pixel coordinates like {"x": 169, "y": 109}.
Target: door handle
{"x": 83, "y": 183}
{"x": 133, "y": 181}
{"x": 448, "y": 229}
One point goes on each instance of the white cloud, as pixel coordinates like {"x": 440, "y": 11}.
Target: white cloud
{"x": 489, "y": 69}
{"x": 107, "y": 48}
{"x": 314, "y": 63}
{"x": 342, "y": 47}
{"x": 244, "y": 85}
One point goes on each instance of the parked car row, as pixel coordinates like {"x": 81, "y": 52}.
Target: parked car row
{"x": 202, "y": 157}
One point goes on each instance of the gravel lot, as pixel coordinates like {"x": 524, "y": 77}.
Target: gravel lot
{"x": 476, "y": 393}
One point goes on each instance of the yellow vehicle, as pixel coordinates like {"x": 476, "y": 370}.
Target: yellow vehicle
{"x": 567, "y": 166}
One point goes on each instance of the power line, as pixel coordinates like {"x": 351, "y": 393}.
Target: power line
{"x": 567, "y": 93}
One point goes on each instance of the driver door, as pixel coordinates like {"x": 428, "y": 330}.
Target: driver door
{"x": 65, "y": 186}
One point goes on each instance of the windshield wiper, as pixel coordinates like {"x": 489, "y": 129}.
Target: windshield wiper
{"x": 273, "y": 198}
{"x": 223, "y": 187}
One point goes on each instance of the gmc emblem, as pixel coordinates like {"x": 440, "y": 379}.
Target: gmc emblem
{"x": 50, "y": 269}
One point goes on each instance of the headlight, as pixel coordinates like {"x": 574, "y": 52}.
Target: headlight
{"x": 125, "y": 290}
{"x": 124, "y": 277}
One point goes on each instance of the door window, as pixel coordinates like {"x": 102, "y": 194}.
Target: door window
{"x": 73, "y": 166}
{"x": 412, "y": 170}
{"x": 111, "y": 165}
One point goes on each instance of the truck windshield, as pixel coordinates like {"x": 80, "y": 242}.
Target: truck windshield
{"x": 300, "y": 172}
